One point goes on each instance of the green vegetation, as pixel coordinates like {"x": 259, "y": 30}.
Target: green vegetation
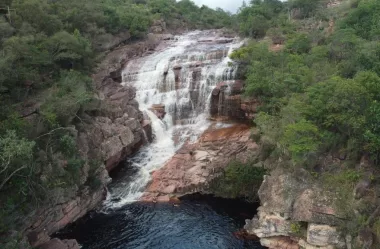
{"x": 239, "y": 180}
{"x": 48, "y": 50}
{"x": 299, "y": 229}
{"x": 376, "y": 228}
{"x": 316, "y": 74}
{"x": 318, "y": 95}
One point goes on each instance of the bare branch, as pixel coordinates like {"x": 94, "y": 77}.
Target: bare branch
{"x": 54, "y": 130}
{"x": 6, "y": 165}
{"x": 10, "y": 176}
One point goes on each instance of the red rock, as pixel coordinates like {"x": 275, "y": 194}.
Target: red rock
{"x": 164, "y": 198}
{"x": 175, "y": 200}
{"x": 194, "y": 165}
{"x": 169, "y": 189}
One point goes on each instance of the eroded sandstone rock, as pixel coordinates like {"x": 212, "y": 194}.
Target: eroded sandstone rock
{"x": 111, "y": 128}
{"x": 60, "y": 244}
{"x": 194, "y": 166}
{"x": 288, "y": 199}
{"x": 279, "y": 242}
{"x": 324, "y": 235}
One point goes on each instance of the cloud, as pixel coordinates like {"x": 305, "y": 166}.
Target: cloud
{"x": 229, "y": 5}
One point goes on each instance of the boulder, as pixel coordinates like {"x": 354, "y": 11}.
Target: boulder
{"x": 279, "y": 242}
{"x": 269, "y": 225}
{"x": 60, "y": 244}
{"x": 324, "y": 235}
{"x": 158, "y": 110}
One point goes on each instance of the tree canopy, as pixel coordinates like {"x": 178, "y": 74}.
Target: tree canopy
{"x": 322, "y": 88}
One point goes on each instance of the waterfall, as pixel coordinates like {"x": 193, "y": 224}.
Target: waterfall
{"x": 179, "y": 78}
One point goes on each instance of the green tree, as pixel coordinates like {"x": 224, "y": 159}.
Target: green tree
{"x": 307, "y": 7}
{"x": 372, "y": 133}
{"x": 339, "y": 105}
{"x": 70, "y": 51}
{"x": 299, "y": 44}
{"x": 38, "y": 13}
{"x": 301, "y": 139}
{"x": 15, "y": 156}
{"x": 66, "y": 98}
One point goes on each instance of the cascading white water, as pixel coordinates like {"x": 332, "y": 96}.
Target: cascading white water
{"x": 180, "y": 77}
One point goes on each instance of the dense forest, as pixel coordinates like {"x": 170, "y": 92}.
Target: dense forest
{"x": 319, "y": 91}
{"x": 314, "y": 67}
{"x": 49, "y": 49}
{"x": 322, "y": 88}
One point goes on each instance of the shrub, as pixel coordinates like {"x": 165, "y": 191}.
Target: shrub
{"x": 300, "y": 44}
{"x": 301, "y": 139}
{"x": 239, "y": 180}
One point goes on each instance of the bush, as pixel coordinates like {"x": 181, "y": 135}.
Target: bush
{"x": 239, "y": 180}
{"x": 300, "y": 44}
{"x": 70, "y": 93}
{"x": 301, "y": 139}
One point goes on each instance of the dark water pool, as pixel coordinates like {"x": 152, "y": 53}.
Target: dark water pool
{"x": 199, "y": 223}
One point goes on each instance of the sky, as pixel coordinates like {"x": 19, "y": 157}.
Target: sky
{"x": 229, "y": 5}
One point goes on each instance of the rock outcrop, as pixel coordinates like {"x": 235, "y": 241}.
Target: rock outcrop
{"x": 227, "y": 102}
{"x": 47, "y": 221}
{"x": 116, "y": 130}
{"x": 195, "y": 165}
{"x": 111, "y": 128}
{"x": 296, "y": 210}
{"x": 60, "y": 244}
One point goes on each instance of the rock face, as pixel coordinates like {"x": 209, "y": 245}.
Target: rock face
{"x": 49, "y": 220}
{"x": 227, "y": 102}
{"x": 194, "y": 166}
{"x": 60, "y": 244}
{"x": 323, "y": 235}
{"x": 158, "y": 26}
{"x": 293, "y": 208}
{"x": 116, "y": 131}
{"x": 111, "y": 128}
{"x": 179, "y": 75}
{"x": 158, "y": 110}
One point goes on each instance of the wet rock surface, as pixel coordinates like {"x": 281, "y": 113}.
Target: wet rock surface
{"x": 194, "y": 166}
{"x": 179, "y": 75}
{"x": 60, "y": 244}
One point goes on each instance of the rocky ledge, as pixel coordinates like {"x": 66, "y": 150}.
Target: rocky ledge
{"x": 112, "y": 127}
{"x": 195, "y": 165}
{"x": 297, "y": 213}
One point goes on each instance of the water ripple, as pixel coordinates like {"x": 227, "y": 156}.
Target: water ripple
{"x": 192, "y": 225}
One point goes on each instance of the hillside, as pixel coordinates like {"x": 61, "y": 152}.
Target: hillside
{"x": 52, "y": 68}
{"x": 316, "y": 77}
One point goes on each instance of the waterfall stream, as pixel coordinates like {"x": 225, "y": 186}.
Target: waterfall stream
{"x": 178, "y": 80}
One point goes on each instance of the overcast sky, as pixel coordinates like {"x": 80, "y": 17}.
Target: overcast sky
{"x": 230, "y": 5}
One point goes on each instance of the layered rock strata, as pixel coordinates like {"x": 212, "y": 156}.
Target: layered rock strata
{"x": 195, "y": 165}
{"x": 227, "y": 102}
{"x": 111, "y": 128}
{"x": 295, "y": 213}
